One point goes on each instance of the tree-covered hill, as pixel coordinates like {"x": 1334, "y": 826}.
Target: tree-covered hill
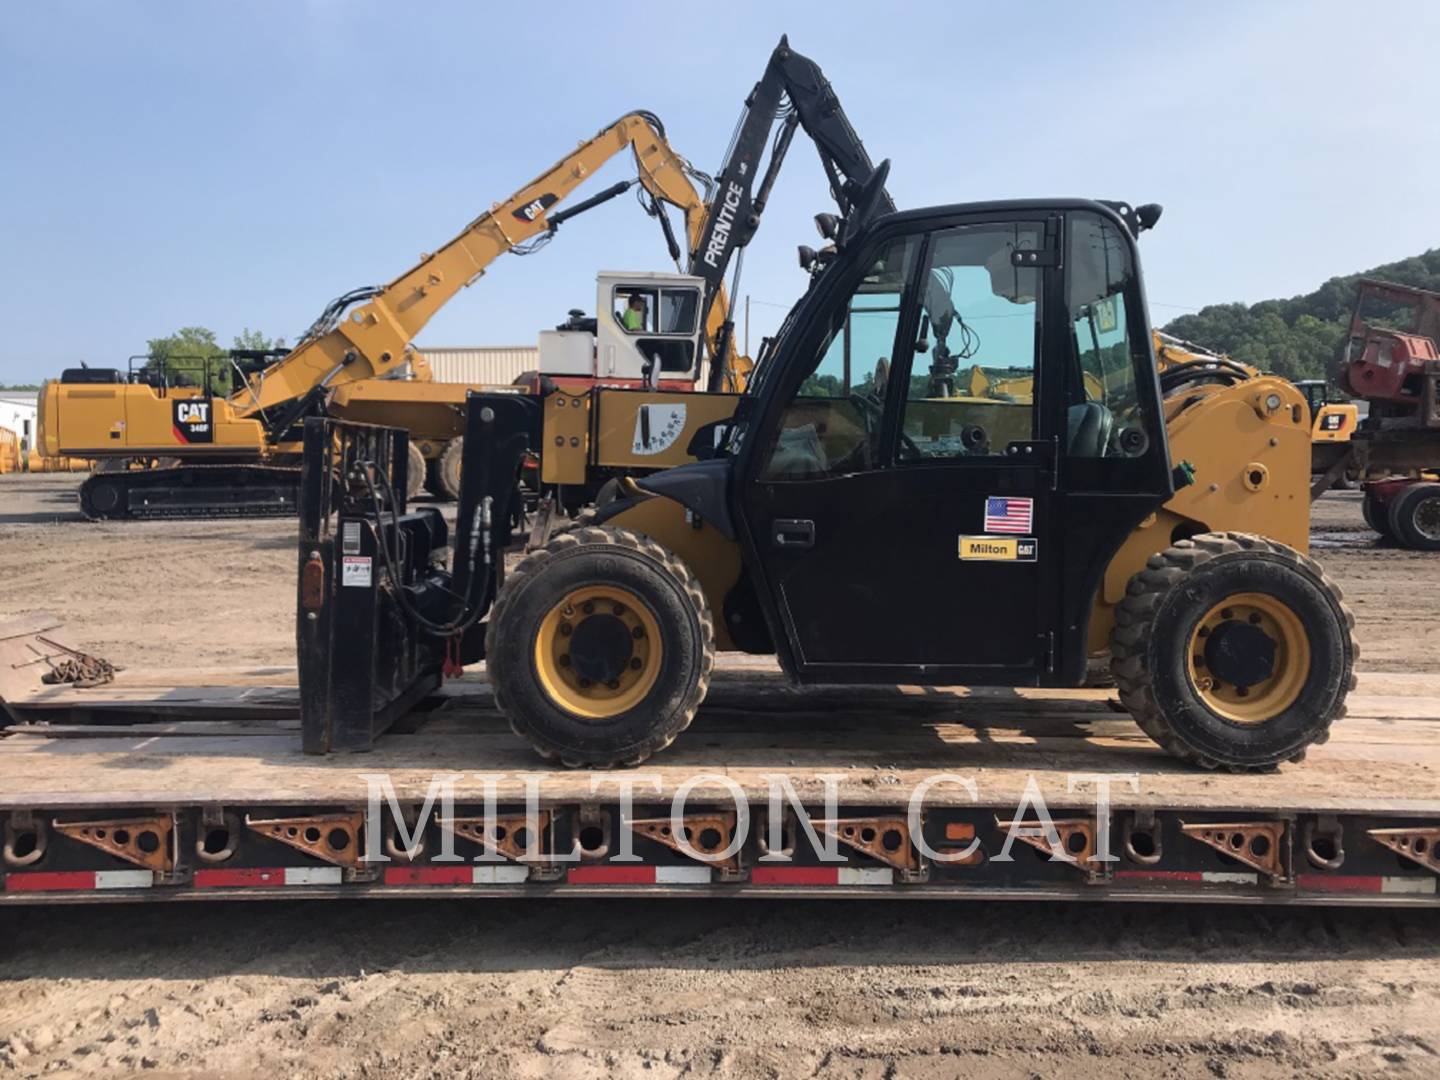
{"x": 1301, "y": 337}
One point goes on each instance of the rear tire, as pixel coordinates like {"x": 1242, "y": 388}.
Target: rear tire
{"x": 1415, "y": 517}
{"x": 1377, "y": 516}
{"x": 1235, "y": 651}
{"x": 600, "y": 648}
{"x": 449, "y": 468}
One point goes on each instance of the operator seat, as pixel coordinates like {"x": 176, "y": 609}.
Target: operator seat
{"x": 1088, "y": 429}
{"x": 798, "y": 452}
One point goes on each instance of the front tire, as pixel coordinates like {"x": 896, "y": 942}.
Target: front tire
{"x": 1235, "y": 651}
{"x": 450, "y": 468}
{"x": 600, "y": 648}
{"x": 1377, "y": 516}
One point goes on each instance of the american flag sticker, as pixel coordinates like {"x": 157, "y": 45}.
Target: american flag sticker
{"x": 1007, "y": 514}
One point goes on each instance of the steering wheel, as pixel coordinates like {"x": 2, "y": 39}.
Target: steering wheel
{"x": 870, "y": 407}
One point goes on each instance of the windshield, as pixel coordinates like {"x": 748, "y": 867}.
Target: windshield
{"x": 881, "y": 278}
{"x": 773, "y": 346}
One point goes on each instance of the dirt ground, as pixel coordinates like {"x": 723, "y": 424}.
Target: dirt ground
{"x": 658, "y": 989}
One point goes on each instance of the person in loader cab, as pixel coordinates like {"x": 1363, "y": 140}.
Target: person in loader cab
{"x": 633, "y": 317}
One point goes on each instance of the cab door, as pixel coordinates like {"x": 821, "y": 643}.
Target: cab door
{"x": 896, "y": 490}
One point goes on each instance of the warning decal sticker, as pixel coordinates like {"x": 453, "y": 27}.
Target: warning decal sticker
{"x": 355, "y": 570}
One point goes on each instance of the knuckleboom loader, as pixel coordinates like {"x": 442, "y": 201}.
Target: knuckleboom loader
{"x": 863, "y": 523}
{"x": 345, "y": 362}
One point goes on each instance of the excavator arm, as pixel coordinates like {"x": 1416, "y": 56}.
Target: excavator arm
{"x": 367, "y": 332}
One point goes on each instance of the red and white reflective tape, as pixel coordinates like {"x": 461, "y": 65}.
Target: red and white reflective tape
{"x": 1205, "y": 877}
{"x": 462, "y": 874}
{"x": 70, "y": 880}
{"x": 1374, "y": 884}
{"x": 639, "y": 875}
{"x": 821, "y": 875}
{"x": 278, "y": 875}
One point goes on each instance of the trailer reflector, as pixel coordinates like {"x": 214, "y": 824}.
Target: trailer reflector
{"x": 427, "y": 875}
{"x": 639, "y": 875}
{"x": 1205, "y": 877}
{"x": 71, "y": 880}
{"x": 273, "y": 876}
{"x": 821, "y": 875}
{"x": 502, "y": 874}
{"x": 1366, "y": 884}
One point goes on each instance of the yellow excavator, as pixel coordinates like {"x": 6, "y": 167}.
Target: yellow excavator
{"x": 234, "y": 454}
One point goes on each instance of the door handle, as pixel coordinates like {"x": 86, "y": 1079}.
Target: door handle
{"x": 792, "y": 534}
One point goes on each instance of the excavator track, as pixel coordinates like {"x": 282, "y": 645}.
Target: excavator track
{"x": 192, "y": 491}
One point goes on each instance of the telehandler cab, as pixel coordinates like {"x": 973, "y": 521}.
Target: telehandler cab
{"x": 864, "y": 526}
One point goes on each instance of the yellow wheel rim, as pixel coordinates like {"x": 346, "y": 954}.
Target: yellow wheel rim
{"x": 1227, "y": 657}
{"x": 598, "y": 652}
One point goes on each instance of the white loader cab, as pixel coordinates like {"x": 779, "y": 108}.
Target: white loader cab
{"x": 646, "y": 331}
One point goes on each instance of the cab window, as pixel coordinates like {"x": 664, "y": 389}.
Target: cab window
{"x": 1104, "y": 415}
{"x": 678, "y": 308}
{"x": 971, "y": 390}
{"x": 832, "y": 424}
{"x": 646, "y": 310}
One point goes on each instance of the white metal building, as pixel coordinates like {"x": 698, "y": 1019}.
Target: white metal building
{"x": 19, "y": 410}
{"x": 482, "y": 365}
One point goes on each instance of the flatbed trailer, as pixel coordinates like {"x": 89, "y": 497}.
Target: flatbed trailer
{"x": 158, "y": 788}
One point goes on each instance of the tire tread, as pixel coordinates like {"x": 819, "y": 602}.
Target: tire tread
{"x": 1134, "y": 617}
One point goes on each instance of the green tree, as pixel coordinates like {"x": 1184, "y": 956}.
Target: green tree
{"x": 188, "y": 357}
{"x": 254, "y": 339}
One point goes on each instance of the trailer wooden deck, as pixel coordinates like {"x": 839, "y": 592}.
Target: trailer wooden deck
{"x": 232, "y": 737}
{"x": 221, "y": 749}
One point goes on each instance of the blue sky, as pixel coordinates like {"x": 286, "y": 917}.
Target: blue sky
{"x": 170, "y": 163}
